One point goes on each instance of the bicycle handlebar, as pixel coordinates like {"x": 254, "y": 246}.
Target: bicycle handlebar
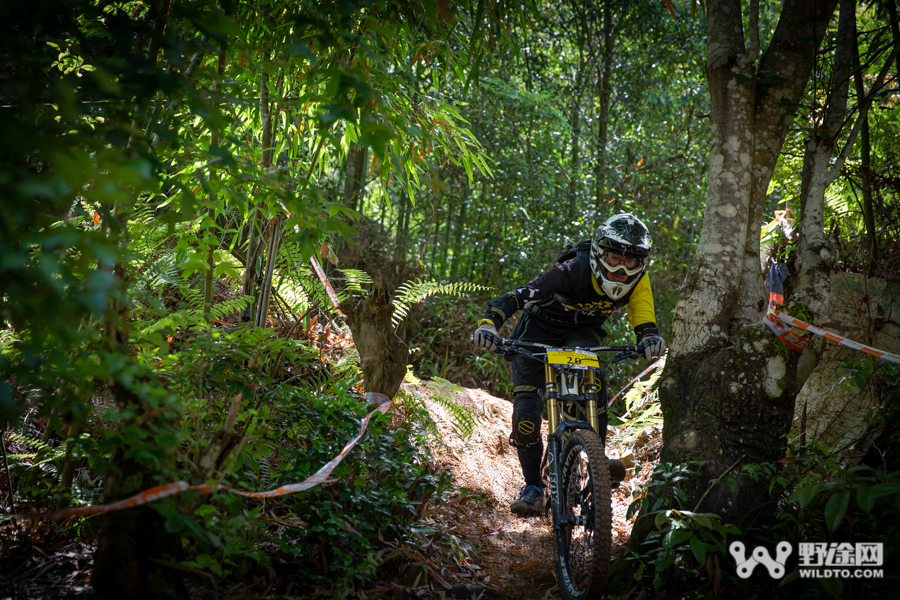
{"x": 504, "y": 344}
{"x": 507, "y": 346}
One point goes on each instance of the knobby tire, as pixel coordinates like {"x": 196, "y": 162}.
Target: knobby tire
{"x": 582, "y": 550}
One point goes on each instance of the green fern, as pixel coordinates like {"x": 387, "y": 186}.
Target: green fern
{"x": 300, "y": 281}
{"x": 413, "y": 292}
{"x": 346, "y": 367}
{"x": 354, "y": 280}
{"x": 43, "y": 452}
{"x": 220, "y": 310}
{"x": 265, "y": 473}
{"x": 193, "y": 315}
{"x": 193, "y": 295}
{"x": 414, "y": 401}
{"x": 642, "y": 401}
{"x": 267, "y": 563}
{"x": 463, "y": 420}
{"x": 162, "y": 271}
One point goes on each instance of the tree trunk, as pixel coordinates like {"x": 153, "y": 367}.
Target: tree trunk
{"x": 813, "y": 289}
{"x": 276, "y": 234}
{"x": 130, "y": 540}
{"x": 866, "y": 166}
{"x": 458, "y": 232}
{"x": 355, "y": 177}
{"x": 604, "y": 96}
{"x": 252, "y": 265}
{"x": 400, "y": 238}
{"x": 382, "y": 355}
{"x": 256, "y": 238}
{"x": 728, "y": 389}
{"x": 445, "y": 262}
{"x": 576, "y": 143}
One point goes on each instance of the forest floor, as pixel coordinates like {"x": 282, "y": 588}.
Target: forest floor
{"x": 486, "y": 552}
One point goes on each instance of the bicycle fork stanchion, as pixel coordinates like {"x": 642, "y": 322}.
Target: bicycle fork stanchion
{"x": 590, "y": 394}
{"x": 554, "y": 446}
{"x": 551, "y": 394}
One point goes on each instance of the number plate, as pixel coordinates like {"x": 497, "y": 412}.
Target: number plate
{"x": 573, "y": 359}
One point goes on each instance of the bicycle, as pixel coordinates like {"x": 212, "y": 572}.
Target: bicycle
{"x": 579, "y": 476}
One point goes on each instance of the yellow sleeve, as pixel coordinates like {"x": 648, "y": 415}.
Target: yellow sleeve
{"x": 640, "y": 305}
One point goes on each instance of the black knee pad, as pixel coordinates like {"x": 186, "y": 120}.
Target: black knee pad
{"x": 526, "y": 422}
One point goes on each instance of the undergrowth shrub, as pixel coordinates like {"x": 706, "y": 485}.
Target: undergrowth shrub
{"x": 378, "y": 493}
{"x": 438, "y": 334}
{"x": 683, "y": 541}
{"x": 331, "y": 534}
{"x": 819, "y": 500}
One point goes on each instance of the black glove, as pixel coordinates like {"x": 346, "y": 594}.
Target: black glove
{"x": 486, "y": 336}
{"x": 652, "y": 345}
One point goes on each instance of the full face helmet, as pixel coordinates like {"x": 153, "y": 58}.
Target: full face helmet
{"x": 621, "y": 246}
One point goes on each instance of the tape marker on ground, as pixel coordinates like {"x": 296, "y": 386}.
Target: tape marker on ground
{"x": 170, "y": 489}
{"x": 628, "y": 385}
{"x": 328, "y": 289}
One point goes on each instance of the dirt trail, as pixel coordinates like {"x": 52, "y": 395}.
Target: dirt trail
{"x": 491, "y": 551}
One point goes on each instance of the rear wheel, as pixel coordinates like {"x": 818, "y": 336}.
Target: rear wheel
{"x": 582, "y": 544}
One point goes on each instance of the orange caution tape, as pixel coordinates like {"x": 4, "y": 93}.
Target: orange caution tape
{"x": 785, "y": 334}
{"x": 170, "y": 489}
{"x": 328, "y": 289}
{"x": 789, "y": 320}
{"x": 778, "y": 322}
{"x": 775, "y": 278}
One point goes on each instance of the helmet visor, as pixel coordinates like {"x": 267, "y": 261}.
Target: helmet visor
{"x": 617, "y": 263}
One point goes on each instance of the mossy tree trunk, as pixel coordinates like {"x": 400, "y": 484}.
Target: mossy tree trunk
{"x": 383, "y": 356}
{"x": 728, "y": 389}
{"x": 134, "y": 549}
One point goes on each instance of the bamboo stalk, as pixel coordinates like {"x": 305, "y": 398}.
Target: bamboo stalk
{"x": 68, "y": 472}
{"x": 9, "y": 481}
{"x": 265, "y": 293}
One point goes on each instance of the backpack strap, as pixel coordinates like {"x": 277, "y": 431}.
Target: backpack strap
{"x": 583, "y": 252}
{"x": 572, "y": 250}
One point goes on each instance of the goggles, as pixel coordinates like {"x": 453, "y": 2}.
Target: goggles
{"x": 616, "y": 263}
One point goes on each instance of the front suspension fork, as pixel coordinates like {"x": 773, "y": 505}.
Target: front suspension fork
{"x": 551, "y": 395}
{"x": 554, "y": 440}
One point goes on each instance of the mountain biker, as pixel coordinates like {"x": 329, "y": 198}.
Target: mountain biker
{"x": 567, "y": 306}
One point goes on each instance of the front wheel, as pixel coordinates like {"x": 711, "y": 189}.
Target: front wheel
{"x": 582, "y": 545}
